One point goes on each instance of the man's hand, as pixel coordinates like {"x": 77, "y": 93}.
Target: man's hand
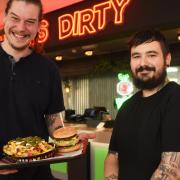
{"x": 8, "y": 171}
{"x": 86, "y": 136}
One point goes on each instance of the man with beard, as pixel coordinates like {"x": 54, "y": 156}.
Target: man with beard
{"x": 145, "y": 140}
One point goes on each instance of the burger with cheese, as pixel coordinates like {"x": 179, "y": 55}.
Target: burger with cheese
{"x": 66, "y": 140}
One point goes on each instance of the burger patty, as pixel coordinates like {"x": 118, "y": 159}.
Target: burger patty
{"x": 70, "y": 141}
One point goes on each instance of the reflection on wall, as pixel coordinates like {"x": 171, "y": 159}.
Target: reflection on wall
{"x": 173, "y": 73}
{"x": 102, "y": 92}
{"x": 80, "y": 94}
{"x": 86, "y": 92}
{"x": 78, "y": 97}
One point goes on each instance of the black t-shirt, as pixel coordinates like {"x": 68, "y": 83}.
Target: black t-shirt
{"x": 29, "y": 89}
{"x": 144, "y": 128}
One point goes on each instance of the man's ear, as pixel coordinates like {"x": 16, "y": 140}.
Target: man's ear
{"x": 4, "y": 18}
{"x": 168, "y": 59}
{"x": 39, "y": 25}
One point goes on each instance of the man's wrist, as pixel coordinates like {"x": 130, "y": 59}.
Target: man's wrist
{"x": 58, "y": 127}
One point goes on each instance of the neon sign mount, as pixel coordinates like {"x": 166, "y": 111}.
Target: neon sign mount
{"x": 84, "y": 21}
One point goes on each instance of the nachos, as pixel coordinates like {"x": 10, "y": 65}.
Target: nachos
{"x": 27, "y": 147}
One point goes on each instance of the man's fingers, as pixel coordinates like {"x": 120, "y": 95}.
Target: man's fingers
{"x": 84, "y": 136}
{"x": 8, "y": 171}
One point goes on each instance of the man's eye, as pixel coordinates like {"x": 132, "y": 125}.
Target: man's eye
{"x": 136, "y": 57}
{"x": 14, "y": 18}
{"x": 30, "y": 22}
{"x": 152, "y": 55}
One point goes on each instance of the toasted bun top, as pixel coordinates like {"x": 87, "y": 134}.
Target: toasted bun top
{"x": 64, "y": 132}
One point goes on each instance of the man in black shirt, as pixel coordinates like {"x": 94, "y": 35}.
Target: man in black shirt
{"x": 145, "y": 140}
{"x": 30, "y": 87}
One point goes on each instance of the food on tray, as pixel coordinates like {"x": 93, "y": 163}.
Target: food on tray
{"x": 27, "y": 147}
{"x": 66, "y": 140}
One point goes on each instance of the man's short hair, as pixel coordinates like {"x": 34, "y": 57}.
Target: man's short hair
{"x": 147, "y": 36}
{"x": 35, "y": 2}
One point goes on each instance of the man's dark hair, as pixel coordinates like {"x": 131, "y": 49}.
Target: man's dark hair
{"x": 147, "y": 36}
{"x": 35, "y": 2}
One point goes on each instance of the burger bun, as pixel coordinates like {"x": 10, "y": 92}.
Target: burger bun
{"x": 68, "y": 149}
{"x": 64, "y": 132}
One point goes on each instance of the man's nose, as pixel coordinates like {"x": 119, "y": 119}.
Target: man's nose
{"x": 143, "y": 61}
{"x": 21, "y": 26}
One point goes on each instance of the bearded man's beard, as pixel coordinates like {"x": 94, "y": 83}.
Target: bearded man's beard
{"x": 150, "y": 83}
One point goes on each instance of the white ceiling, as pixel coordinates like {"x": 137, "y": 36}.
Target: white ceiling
{"x": 48, "y": 5}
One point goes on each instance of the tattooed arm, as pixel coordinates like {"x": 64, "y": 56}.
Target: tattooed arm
{"x": 53, "y": 121}
{"x": 111, "y": 166}
{"x": 169, "y": 167}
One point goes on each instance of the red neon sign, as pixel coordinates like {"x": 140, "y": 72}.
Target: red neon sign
{"x": 44, "y": 31}
{"x": 43, "y": 34}
{"x": 82, "y": 22}
{"x": 1, "y": 38}
{"x": 119, "y": 8}
{"x": 86, "y": 23}
{"x": 101, "y": 10}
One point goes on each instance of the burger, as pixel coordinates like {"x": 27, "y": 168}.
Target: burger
{"x": 66, "y": 140}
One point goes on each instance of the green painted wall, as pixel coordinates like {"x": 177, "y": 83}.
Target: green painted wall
{"x": 100, "y": 155}
{"x": 59, "y": 167}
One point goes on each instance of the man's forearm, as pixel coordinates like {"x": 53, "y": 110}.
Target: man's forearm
{"x": 163, "y": 172}
{"x": 53, "y": 121}
{"x": 111, "y": 177}
{"x": 169, "y": 168}
{"x": 111, "y": 167}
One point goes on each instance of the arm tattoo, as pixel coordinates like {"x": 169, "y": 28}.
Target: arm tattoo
{"x": 53, "y": 122}
{"x": 114, "y": 175}
{"x": 172, "y": 158}
{"x": 50, "y": 119}
{"x": 111, "y": 177}
{"x": 169, "y": 162}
